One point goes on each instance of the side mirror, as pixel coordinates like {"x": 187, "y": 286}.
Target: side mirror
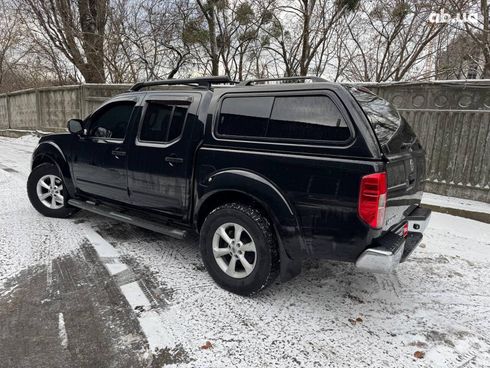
{"x": 75, "y": 126}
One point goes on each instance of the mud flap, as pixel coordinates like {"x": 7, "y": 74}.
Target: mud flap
{"x": 289, "y": 268}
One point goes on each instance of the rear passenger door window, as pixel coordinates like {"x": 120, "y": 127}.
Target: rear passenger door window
{"x": 293, "y": 119}
{"x": 163, "y": 122}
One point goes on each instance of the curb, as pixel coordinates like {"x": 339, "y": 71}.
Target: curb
{"x": 16, "y": 133}
{"x": 473, "y": 215}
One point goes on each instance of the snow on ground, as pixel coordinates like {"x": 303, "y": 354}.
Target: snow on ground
{"x": 457, "y": 203}
{"x": 437, "y": 302}
{"x": 26, "y": 237}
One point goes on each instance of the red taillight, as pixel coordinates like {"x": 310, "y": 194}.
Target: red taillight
{"x": 405, "y": 230}
{"x": 372, "y": 199}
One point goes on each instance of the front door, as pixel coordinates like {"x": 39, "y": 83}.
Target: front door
{"x": 100, "y": 160}
{"x": 160, "y": 160}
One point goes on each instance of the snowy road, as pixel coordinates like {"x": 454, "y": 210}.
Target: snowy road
{"x": 60, "y": 307}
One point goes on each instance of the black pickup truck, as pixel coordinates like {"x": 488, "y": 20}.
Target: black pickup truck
{"x": 268, "y": 173}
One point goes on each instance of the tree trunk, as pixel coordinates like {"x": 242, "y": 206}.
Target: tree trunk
{"x": 209, "y": 11}
{"x": 486, "y": 38}
{"x": 305, "y": 51}
{"x": 76, "y": 29}
{"x": 212, "y": 42}
{"x": 240, "y": 66}
{"x": 486, "y": 66}
{"x": 92, "y": 23}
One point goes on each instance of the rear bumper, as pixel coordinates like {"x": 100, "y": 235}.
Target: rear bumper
{"x": 391, "y": 249}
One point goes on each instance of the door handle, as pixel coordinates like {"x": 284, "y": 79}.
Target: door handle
{"x": 173, "y": 159}
{"x": 118, "y": 153}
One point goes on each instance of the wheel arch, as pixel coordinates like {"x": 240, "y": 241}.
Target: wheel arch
{"x": 50, "y": 152}
{"x": 251, "y": 188}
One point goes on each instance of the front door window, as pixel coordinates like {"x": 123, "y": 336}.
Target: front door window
{"x": 111, "y": 121}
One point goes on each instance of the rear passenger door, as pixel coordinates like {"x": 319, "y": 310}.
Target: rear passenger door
{"x": 160, "y": 160}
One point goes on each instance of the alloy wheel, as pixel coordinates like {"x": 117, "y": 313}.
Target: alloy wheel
{"x": 234, "y": 250}
{"x": 49, "y": 190}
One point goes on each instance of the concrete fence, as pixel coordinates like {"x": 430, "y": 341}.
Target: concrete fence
{"x": 451, "y": 118}
{"x": 48, "y": 109}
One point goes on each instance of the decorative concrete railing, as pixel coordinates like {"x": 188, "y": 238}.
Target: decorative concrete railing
{"x": 452, "y": 120}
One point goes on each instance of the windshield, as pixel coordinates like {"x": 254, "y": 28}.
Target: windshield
{"x": 381, "y": 114}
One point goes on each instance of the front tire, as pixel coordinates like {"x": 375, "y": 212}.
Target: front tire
{"x": 239, "y": 249}
{"x": 47, "y": 192}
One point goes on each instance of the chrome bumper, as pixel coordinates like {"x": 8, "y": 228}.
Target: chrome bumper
{"x": 391, "y": 249}
{"x": 383, "y": 258}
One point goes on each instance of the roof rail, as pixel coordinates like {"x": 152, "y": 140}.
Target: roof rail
{"x": 200, "y": 81}
{"x": 287, "y": 79}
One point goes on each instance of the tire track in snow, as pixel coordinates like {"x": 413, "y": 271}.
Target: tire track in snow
{"x": 62, "y": 331}
{"x": 152, "y": 320}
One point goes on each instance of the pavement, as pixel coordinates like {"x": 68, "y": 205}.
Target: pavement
{"x": 91, "y": 292}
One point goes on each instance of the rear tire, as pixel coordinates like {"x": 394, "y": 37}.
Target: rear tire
{"x": 239, "y": 249}
{"x": 47, "y": 193}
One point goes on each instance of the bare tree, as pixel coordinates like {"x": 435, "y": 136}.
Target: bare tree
{"x": 240, "y": 37}
{"x": 389, "y": 39}
{"x": 145, "y": 39}
{"x": 13, "y": 47}
{"x": 458, "y": 58}
{"x": 76, "y": 29}
{"x": 65, "y": 41}
{"x": 478, "y": 31}
{"x": 302, "y": 28}
{"x": 200, "y": 30}
{"x": 120, "y": 57}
